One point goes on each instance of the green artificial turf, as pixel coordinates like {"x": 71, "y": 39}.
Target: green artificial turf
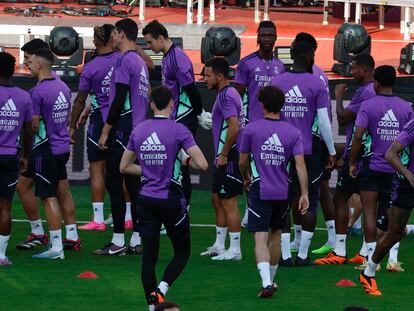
{"x": 31, "y": 284}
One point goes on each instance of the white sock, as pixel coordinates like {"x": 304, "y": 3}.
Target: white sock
{"x": 298, "y": 235}
{"x": 245, "y": 219}
{"x": 235, "y": 242}
{"x": 264, "y": 271}
{"x": 128, "y": 215}
{"x": 151, "y": 307}
{"x": 304, "y": 244}
{"x": 118, "y": 239}
{"x": 371, "y": 248}
{"x": 163, "y": 287}
{"x": 56, "y": 240}
{"x": 363, "y": 251}
{"x": 98, "y": 215}
{"x": 273, "y": 270}
{"x": 330, "y": 225}
{"x": 37, "y": 227}
{"x": 370, "y": 269}
{"x": 358, "y": 223}
{"x": 393, "y": 256}
{"x": 221, "y": 233}
{"x": 72, "y": 232}
{"x": 4, "y": 240}
{"x": 285, "y": 243}
{"x": 340, "y": 245}
{"x": 410, "y": 229}
{"x": 135, "y": 239}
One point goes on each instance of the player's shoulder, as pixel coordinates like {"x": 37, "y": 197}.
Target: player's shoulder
{"x": 245, "y": 61}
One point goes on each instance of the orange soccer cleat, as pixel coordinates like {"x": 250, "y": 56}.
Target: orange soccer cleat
{"x": 370, "y": 285}
{"x": 331, "y": 259}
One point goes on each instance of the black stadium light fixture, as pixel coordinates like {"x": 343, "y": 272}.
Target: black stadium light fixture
{"x": 350, "y": 41}
{"x": 407, "y": 59}
{"x": 67, "y": 47}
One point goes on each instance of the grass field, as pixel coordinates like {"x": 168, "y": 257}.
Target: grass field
{"x": 205, "y": 285}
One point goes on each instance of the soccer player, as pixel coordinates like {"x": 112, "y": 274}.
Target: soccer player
{"x": 227, "y": 183}
{"x": 402, "y": 203}
{"x": 50, "y": 121}
{"x": 270, "y": 144}
{"x": 128, "y": 98}
{"x": 362, "y": 71}
{"x": 15, "y": 117}
{"x": 156, "y": 143}
{"x": 254, "y": 72}
{"x": 383, "y": 117}
{"x": 178, "y": 76}
{"x": 306, "y": 107}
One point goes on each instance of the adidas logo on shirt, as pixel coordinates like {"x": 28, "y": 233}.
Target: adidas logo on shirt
{"x": 9, "y": 109}
{"x": 152, "y": 143}
{"x": 144, "y": 78}
{"x": 294, "y": 95}
{"x": 107, "y": 79}
{"x": 257, "y": 69}
{"x": 273, "y": 144}
{"x": 61, "y": 102}
{"x": 389, "y": 119}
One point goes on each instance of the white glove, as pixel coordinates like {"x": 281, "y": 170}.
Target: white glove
{"x": 185, "y": 158}
{"x": 204, "y": 120}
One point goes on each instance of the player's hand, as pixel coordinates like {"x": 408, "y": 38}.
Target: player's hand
{"x": 353, "y": 170}
{"x": 102, "y": 141}
{"x": 340, "y": 90}
{"x": 303, "y": 204}
{"x": 205, "y": 120}
{"x": 222, "y": 160}
{"x": 331, "y": 163}
{"x": 72, "y": 135}
{"x": 23, "y": 164}
{"x": 82, "y": 118}
{"x": 340, "y": 162}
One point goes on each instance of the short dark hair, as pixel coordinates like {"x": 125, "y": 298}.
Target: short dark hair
{"x": 160, "y": 96}
{"x": 128, "y": 27}
{"x": 306, "y": 37}
{"x": 365, "y": 60}
{"x": 166, "y": 305}
{"x": 45, "y": 54}
{"x": 219, "y": 65}
{"x": 301, "y": 49}
{"x": 7, "y": 63}
{"x": 266, "y": 24}
{"x": 385, "y": 75}
{"x": 103, "y": 33}
{"x": 34, "y": 45}
{"x": 272, "y": 98}
{"x": 155, "y": 29}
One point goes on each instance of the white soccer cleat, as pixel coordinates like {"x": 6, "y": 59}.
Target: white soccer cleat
{"x": 395, "y": 267}
{"x": 212, "y": 251}
{"x": 365, "y": 264}
{"x": 228, "y": 255}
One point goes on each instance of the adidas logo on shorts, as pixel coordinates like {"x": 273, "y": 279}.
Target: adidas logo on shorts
{"x": 294, "y": 95}
{"x": 61, "y": 102}
{"x": 273, "y": 144}
{"x": 389, "y": 119}
{"x": 152, "y": 143}
{"x": 9, "y": 109}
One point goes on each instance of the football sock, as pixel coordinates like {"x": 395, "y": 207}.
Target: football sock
{"x": 71, "y": 232}
{"x": 285, "y": 243}
{"x": 37, "y": 227}
{"x": 56, "y": 240}
{"x": 410, "y": 229}
{"x": 118, "y": 239}
{"x": 98, "y": 216}
{"x": 370, "y": 248}
{"x": 330, "y": 225}
{"x": 135, "y": 239}
{"x": 4, "y": 240}
{"x": 393, "y": 257}
{"x": 370, "y": 269}
{"x": 298, "y": 235}
{"x": 235, "y": 242}
{"x": 151, "y": 307}
{"x": 304, "y": 244}
{"x": 128, "y": 215}
{"x": 340, "y": 245}
{"x": 163, "y": 287}
{"x": 221, "y": 233}
{"x": 364, "y": 251}
{"x": 264, "y": 271}
{"x": 273, "y": 270}
{"x": 358, "y": 223}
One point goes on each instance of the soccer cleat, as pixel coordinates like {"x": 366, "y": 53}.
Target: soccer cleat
{"x": 228, "y": 255}
{"x": 212, "y": 251}
{"x": 370, "y": 285}
{"x": 109, "y": 220}
{"x": 128, "y": 225}
{"x": 33, "y": 240}
{"x": 72, "y": 245}
{"x": 135, "y": 249}
{"x": 299, "y": 262}
{"x": 285, "y": 262}
{"x": 49, "y": 254}
{"x": 395, "y": 267}
{"x": 5, "y": 262}
{"x": 266, "y": 292}
{"x": 323, "y": 250}
{"x": 365, "y": 264}
{"x": 92, "y": 226}
{"x": 294, "y": 248}
{"x": 155, "y": 298}
{"x": 331, "y": 259}
{"x": 358, "y": 259}
{"x": 111, "y": 249}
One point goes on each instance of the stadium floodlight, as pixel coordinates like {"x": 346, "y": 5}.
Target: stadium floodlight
{"x": 350, "y": 41}
{"x": 67, "y": 47}
{"x": 407, "y": 59}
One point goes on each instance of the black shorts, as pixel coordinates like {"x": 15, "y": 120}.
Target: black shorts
{"x": 382, "y": 210}
{"x": 346, "y": 183}
{"x": 402, "y": 194}
{"x": 9, "y": 166}
{"x": 118, "y": 137}
{"x": 94, "y": 133}
{"x": 370, "y": 180}
{"x": 265, "y": 215}
{"x": 171, "y": 212}
{"x": 227, "y": 181}
{"x": 30, "y": 171}
{"x": 49, "y": 170}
